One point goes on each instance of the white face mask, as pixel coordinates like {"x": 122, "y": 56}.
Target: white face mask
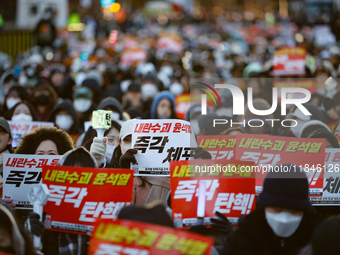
{"x": 149, "y": 90}
{"x": 176, "y": 88}
{"x": 296, "y": 130}
{"x": 115, "y": 115}
{"x": 109, "y": 152}
{"x": 22, "y": 117}
{"x": 82, "y": 104}
{"x": 11, "y": 101}
{"x": 168, "y": 70}
{"x": 124, "y": 85}
{"x": 283, "y": 224}
{"x": 22, "y": 79}
{"x": 125, "y": 147}
{"x": 64, "y": 122}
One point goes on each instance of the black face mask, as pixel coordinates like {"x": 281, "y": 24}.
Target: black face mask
{"x": 42, "y": 100}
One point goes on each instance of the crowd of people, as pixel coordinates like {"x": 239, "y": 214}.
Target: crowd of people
{"x": 136, "y": 76}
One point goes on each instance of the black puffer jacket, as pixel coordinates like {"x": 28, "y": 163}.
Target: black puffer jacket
{"x": 255, "y": 237}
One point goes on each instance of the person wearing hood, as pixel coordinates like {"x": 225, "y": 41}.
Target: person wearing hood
{"x": 16, "y": 94}
{"x": 163, "y": 106}
{"x": 94, "y": 86}
{"x": 113, "y": 105}
{"x": 302, "y": 119}
{"x": 44, "y": 98}
{"x": 331, "y": 140}
{"x": 45, "y": 141}
{"x": 82, "y": 103}
{"x": 284, "y": 221}
{"x": 312, "y": 126}
{"x": 65, "y": 117}
{"x": 133, "y": 97}
{"x": 56, "y": 243}
{"x": 22, "y": 111}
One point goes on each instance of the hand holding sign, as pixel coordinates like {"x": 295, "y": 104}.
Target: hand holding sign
{"x": 101, "y": 121}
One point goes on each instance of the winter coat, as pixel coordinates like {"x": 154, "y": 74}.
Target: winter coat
{"x": 255, "y": 237}
{"x": 31, "y": 141}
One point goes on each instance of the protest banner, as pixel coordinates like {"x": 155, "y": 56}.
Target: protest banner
{"x": 269, "y": 151}
{"x": 289, "y": 61}
{"x": 158, "y": 142}
{"x": 85, "y": 194}
{"x": 20, "y": 172}
{"x": 331, "y": 177}
{"x": 132, "y": 55}
{"x": 219, "y": 146}
{"x": 169, "y": 42}
{"x": 182, "y": 105}
{"x": 19, "y": 129}
{"x": 133, "y": 237}
{"x": 230, "y": 189}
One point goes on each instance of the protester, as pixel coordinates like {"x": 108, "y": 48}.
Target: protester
{"x": 284, "y": 221}
{"x": 65, "y": 243}
{"x": 163, "y": 106}
{"x": 22, "y": 111}
{"x": 65, "y": 117}
{"x": 331, "y": 141}
{"x": 14, "y": 238}
{"x": 44, "y": 98}
{"x": 45, "y": 141}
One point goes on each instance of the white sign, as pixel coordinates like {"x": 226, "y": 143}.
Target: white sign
{"x": 20, "y": 172}
{"x": 158, "y": 142}
{"x": 19, "y": 129}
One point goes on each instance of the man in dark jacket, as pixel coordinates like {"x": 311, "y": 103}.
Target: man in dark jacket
{"x": 284, "y": 221}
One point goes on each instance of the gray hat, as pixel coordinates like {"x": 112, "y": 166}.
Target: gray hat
{"x": 5, "y": 125}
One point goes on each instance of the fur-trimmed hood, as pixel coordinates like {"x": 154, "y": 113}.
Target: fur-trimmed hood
{"x": 31, "y": 141}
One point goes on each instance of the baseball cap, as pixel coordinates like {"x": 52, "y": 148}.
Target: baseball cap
{"x": 5, "y": 125}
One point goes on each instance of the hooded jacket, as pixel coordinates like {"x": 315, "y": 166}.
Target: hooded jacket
{"x": 111, "y": 102}
{"x": 255, "y": 237}
{"x": 67, "y": 106}
{"x": 31, "y": 141}
{"x": 157, "y": 99}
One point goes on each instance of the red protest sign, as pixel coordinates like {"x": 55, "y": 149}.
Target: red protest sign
{"x": 85, "y": 194}
{"x": 133, "y": 237}
{"x": 219, "y": 146}
{"x": 230, "y": 189}
{"x": 269, "y": 151}
{"x": 182, "y": 105}
{"x": 289, "y": 61}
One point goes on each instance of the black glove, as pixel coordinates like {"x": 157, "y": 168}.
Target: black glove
{"x": 222, "y": 224}
{"x": 128, "y": 158}
{"x": 200, "y": 153}
{"x": 37, "y": 227}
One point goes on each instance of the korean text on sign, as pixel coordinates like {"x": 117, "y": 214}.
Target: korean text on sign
{"x": 86, "y": 194}
{"x": 230, "y": 189}
{"x": 162, "y": 141}
{"x": 132, "y": 237}
{"x": 20, "y": 172}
